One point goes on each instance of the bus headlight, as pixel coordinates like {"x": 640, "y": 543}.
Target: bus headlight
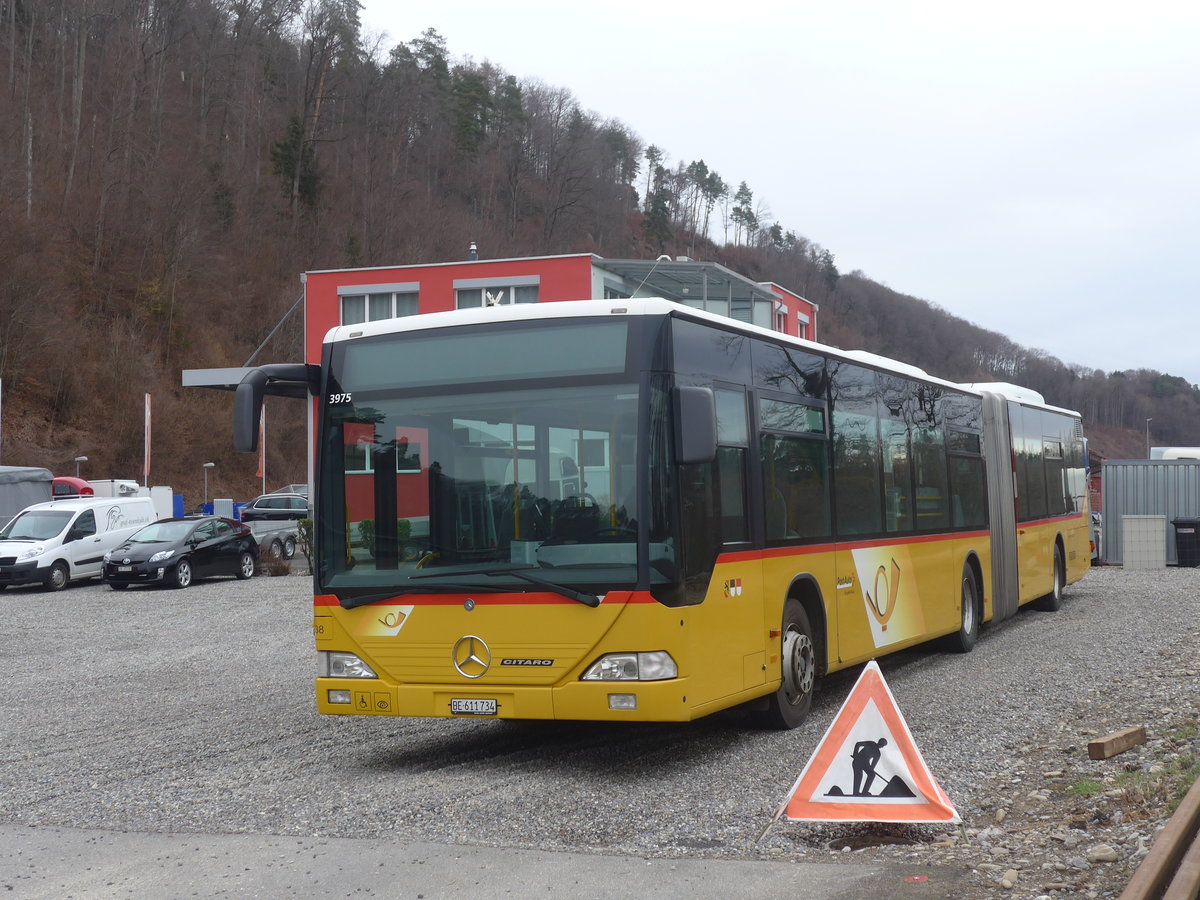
{"x": 654, "y": 666}
{"x": 336, "y": 664}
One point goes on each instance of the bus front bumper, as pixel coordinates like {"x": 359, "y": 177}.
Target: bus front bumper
{"x": 599, "y": 701}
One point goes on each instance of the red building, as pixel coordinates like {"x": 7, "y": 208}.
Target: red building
{"x": 348, "y": 296}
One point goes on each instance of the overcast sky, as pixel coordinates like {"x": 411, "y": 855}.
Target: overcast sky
{"x": 1033, "y": 167}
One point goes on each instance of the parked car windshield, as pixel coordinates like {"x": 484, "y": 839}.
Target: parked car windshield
{"x": 36, "y": 525}
{"x": 162, "y": 532}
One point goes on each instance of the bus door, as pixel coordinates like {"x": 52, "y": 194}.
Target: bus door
{"x": 727, "y": 634}
{"x": 862, "y": 592}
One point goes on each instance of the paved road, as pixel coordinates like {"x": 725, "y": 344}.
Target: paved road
{"x": 51, "y": 863}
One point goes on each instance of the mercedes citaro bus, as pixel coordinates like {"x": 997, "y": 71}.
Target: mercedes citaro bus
{"x": 633, "y": 510}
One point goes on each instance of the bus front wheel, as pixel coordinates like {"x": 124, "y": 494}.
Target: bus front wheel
{"x": 788, "y": 706}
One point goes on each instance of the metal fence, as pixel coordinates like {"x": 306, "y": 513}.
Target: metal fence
{"x": 1147, "y": 487}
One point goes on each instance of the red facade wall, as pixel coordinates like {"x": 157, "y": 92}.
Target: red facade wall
{"x": 797, "y": 304}
{"x": 561, "y": 278}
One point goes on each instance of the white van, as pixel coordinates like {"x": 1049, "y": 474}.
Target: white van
{"x": 64, "y": 540}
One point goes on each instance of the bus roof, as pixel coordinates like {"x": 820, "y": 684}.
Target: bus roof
{"x": 655, "y": 306}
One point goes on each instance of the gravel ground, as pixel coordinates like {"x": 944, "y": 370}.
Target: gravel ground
{"x": 192, "y": 711}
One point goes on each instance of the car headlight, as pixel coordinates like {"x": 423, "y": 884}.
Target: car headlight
{"x": 161, "y": 555}
{"x": 108, "y": 556}
{"x": 654, "y": 666}
{"x": 31, "y": 552}
{"x": 336, "y": 664}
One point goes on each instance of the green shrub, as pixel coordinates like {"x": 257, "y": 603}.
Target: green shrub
{"x": 366, "y": 533}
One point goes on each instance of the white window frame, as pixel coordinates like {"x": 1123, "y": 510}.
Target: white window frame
{"x": 365, "y": 291}
{"x": 502, "y": 289}
{"x": 370, "y": 468}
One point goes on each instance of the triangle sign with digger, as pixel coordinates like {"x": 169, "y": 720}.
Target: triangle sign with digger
{"x": 867, "y": 767}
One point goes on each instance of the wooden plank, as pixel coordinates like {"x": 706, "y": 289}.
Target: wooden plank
{"x": 1117, "y": 742}
{"x": 1185, "y": 885}
{"x": 1171, "y": 846}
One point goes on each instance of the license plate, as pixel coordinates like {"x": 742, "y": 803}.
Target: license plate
{"x": 473, "y": 707}
{"x": 124, "y": 568}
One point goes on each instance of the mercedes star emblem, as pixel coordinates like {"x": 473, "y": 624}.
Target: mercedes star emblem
{"x": 471, "y": 657}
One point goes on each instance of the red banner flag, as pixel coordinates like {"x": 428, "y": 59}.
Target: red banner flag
{"x": 262, "y": 443}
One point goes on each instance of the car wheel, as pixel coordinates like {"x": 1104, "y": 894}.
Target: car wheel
{"x": 788, "y": 706}
{"x": 182, "y": 576}
{"x": 245, "y": 565}
{"x": 289, "y": 548}
{"x": 58, "y": 576}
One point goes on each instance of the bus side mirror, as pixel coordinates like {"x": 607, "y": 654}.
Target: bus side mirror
{"x": 284, "y": 379}
{"x": 247, "y": 406}
{"x": 695, "y": 425}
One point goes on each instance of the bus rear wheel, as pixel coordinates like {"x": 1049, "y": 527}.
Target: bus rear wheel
{"x": 963, "y": 640}
{"x": 1052, "y": 602}
{"x": 788, "y": 706}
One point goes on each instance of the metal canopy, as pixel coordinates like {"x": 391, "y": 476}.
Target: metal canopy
{"x": 687, "y": 281}
{"x": 229, "y": 379}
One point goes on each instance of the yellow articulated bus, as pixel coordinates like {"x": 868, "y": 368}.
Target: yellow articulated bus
{"x": 637, "y": 511}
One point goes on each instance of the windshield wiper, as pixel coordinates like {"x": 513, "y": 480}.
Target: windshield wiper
{"x": 444, "y": 588}
{"x": 570, "y": 593}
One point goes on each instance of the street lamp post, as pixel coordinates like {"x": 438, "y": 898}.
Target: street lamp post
{"x": 207, "y": 466}
{"x": 78, "y": 460}
{"x": 1148, "y": 421}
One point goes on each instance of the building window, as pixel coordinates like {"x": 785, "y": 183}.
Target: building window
{"x": 375, "y": 302}
{"x": 500, "y": 295}
{"x": 472, "y": 293}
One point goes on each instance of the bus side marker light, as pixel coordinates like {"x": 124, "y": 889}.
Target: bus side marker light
{"x": 339, "y": 696}
{"x": 622, "y": 701}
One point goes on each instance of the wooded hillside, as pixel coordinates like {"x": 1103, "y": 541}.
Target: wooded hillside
{"x": 169, "y": 168}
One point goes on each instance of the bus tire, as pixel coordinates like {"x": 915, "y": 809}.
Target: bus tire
{"x": 788, "y": 706}
{"x": 963, "y": 640}
{"x": 1052, "y": 602}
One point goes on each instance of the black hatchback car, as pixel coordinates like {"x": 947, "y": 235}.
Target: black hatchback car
{"x": 177, "y": 551}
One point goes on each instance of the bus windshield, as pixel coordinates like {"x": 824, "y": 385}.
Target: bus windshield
{"x": 507, "y": 489}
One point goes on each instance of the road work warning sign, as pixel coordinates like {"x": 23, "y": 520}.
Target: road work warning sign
{"x": 867, "y": 767}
